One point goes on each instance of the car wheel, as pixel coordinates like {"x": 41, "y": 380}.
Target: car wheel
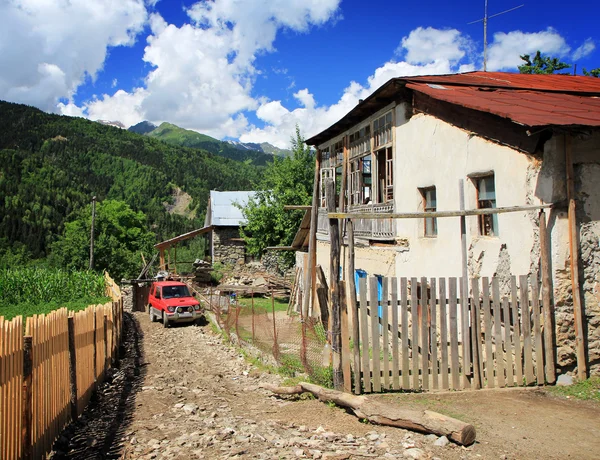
{"x": 152, "y": 317}
{"x": 165, "y": 320}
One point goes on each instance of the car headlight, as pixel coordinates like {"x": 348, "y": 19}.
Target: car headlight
{"x": 196, "y": 307}
{"x": 171, "y": 309}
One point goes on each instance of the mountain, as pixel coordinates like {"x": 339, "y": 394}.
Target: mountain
{"x": 51, "y": 166}
{"x": 264, "y": 147}
{"x": 174, "y": 135}
{"x": 143, "y": 127}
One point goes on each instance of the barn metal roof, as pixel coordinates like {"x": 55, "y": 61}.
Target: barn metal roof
{"x": 530, "y": 100}
{"x": 223, "y": 211}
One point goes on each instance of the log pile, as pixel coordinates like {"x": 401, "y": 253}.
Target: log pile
{"x": 383, "y": 413}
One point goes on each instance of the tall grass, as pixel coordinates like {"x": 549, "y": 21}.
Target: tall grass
{"x": 40, "y": 286}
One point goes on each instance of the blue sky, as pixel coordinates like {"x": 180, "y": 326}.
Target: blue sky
{"x": 253, "y": 69}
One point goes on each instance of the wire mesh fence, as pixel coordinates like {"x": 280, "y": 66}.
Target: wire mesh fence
{"x": 298, "y": 346}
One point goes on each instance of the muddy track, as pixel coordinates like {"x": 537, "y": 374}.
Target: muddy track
{"x": 98, "y": 432}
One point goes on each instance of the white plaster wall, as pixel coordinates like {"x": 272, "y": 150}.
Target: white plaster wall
{"x": 431, "y": 152}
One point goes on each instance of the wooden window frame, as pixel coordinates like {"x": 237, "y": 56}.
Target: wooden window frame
{"x": 487, "y": 223}
{"x": 427, "y": 208}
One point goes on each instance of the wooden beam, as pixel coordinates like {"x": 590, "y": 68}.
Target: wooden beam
{"x": 334, "y": 288}
{"x": 185, "y": 236}
{"x": 291, "y": 207}
{"x": 574, "y": 255}
{"x": 281, "y": 248}
{"x": 547, "y": 303}
{"x": 422, "y": 215}
{"x": 310, "y": 275}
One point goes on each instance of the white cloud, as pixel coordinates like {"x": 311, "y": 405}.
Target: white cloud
{"x": 121, "y": 106}
{"x": 426, "y": 45}
{"x": 60, "y": 44}
{"x": 505, "y": 50}
{"x": 584, "y": 50}
{"x": 203, "y": 73}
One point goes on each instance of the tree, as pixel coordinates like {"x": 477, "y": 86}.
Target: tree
{"x": 120, "y": 235}
{"x": 592, "y": 73}
{"x": 286, "y": 181}
{"x": 542, "y": 64}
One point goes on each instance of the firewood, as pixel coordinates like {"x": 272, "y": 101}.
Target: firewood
{"x": 382, "y": 412}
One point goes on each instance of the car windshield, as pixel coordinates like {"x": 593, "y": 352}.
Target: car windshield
{"x": 170, "y": 292}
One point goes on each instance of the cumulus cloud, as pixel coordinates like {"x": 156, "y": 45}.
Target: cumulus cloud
{"x": 60, "y": 44}
{"x": 585, "y": 49}
{"x": 203, "y": 72}
{"x": 505, "y": 50}
{"x": 426, "y": 45}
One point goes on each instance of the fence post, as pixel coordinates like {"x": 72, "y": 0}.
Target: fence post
{"x": 275, "y": 344}
{"x": 547, "y": 304}
{"x": 105, "y": 343}
{"x": 27, "y": 408}
{"x": 252, "y": 300}
{"x": 72, "y": 367}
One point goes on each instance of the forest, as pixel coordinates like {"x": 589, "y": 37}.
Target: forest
{"x": 51, "y": 166}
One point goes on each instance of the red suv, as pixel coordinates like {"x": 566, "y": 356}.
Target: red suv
{"x": 171, "y": 302}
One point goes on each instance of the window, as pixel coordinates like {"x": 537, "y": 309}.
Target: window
{"x": 382, "y": 130}
{"x": 360, "y": 181}
{"x": 326, "y": 173}
{"x": 429, "y": 205}
{"x": 385, "y": 175}
{"x": 486, "y": 199}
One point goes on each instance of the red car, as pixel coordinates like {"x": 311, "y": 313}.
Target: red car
{"x": 171, "y": 302}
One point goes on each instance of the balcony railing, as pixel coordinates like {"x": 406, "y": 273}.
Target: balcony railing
{"x": 372, "y": 229}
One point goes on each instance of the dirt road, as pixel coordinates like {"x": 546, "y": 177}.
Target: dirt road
{"x": 199, "y": 399}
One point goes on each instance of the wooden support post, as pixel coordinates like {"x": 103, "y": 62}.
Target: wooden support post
{"x": 346, "y": 369}
{"x": 334, "y": 276}
{"x": 547, "y": 302}
{"x": 175, "y": 259}
{"x": 106, "y": 357}
{"x": 310, "y": 275}
{"x": 72, "y": 368}
{"x": 26, "y": 441}
{"x": 353, "y": 305}
{"x": 464, "y": 288}
{"x": 574, "y": 254}
{"x": 161, "y": 252}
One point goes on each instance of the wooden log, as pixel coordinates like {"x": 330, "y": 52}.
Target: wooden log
{"x": 381, "y": 412}
{"x": 310, "y": 275}
{"x": 547, "y": 303}
{"x": 334, "y": 276}
{"x": 323, "y": 296}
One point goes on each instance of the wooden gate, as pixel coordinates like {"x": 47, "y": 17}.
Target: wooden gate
{"x": 427, "y": 333}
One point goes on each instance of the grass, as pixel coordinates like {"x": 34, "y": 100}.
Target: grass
{"x": 588, "y": 390}
{"x": 29, "y": 309}
{"x": 262, "y": 303}
{"x": 29, "y": 291}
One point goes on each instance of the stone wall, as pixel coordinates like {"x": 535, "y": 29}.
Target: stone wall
{"x": 225, "y": 250}
{"x": 128, "y": 299}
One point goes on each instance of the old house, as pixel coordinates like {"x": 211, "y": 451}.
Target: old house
{"x": 474, "y": 141}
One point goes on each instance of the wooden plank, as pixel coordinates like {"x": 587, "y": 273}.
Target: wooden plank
{"x": 364, "y": 337}
{"x": 537, "y": 328}
{"x": 547, "y": 305}
{"x": 346, "y": 369}
{"x": 487, "y": 329}
{"x": 510, "y": 373}
{"x": 353, "y": 306}
{"x": 375, "y": 336}
{"x": 404, "y": 333}
{"x": 465, "y": 333}
{"x": 310, "y": 275}
{"x": 476, "y": 335}
{"x": 414, "y": 309}
{"x": 499, "y": 361}
{"x": 394, "y": 334}
{"x": 423, "y": 313}
{"x": 385, "y": 352}
{"x": 516, "y": 323}
{"x": 526, "y": 328}
{"x": 433, "y": 333}
{"x": 444, "y": 334}
{"x": 455, "y": 366}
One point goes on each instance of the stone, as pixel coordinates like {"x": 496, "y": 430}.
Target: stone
{"x": 373, "y": 437}
{"x": 564, "y": 380}
{"x": 414, "y": 453}
{"x": 441, "y": 442}
{"x": 190, "y": 408}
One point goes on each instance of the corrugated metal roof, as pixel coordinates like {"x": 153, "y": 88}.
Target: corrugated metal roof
{"x": 223, "y": 211}
{"x": 563, "y": 95}
{"x": 529, "y": 108}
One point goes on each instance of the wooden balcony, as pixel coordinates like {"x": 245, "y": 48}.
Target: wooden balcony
{"x": 380, "y": 229}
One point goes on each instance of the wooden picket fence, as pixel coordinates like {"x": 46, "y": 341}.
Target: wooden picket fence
{"x": 49, "y": 371}
{"x": 428, "y": 334}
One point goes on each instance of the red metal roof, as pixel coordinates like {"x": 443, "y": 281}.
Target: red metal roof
{"x": 530, "y": 108}
{"x": 551, "y": 83}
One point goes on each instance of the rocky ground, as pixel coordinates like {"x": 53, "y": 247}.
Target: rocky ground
{"x": 198, "y": 398}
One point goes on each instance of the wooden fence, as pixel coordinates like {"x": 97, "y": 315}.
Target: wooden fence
{"x": 428, "y": 334}
{"x": 47, "y": 376}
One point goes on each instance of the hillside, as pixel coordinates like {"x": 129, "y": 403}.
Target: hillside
{"x": 175, "y": 135}
{"x": 51, "y": 166}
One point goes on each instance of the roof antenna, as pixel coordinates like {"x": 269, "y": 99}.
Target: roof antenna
{"x": 485, "y": 20}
